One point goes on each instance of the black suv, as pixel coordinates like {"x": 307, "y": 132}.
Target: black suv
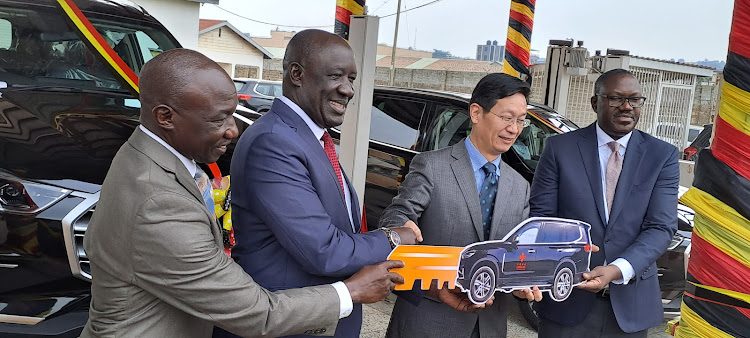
{"x": 552, "y": 253}
{"x": 256, "y": 94}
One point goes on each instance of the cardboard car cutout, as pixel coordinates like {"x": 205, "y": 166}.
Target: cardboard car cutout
{"x": 550, "y": 253}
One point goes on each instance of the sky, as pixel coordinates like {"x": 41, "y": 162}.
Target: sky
{"x": 692, "y": 30}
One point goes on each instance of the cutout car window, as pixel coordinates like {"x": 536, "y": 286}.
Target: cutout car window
{"x": 528, "y": 235}
{"x": 396, "y": 121}
{"x": 553, "y": 233}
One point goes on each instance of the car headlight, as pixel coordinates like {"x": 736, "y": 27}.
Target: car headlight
{"x": 468, "y": 253}
{"x": 23, "y": 197}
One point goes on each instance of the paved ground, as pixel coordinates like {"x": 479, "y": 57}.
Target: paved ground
{"x": 376, "y": 318}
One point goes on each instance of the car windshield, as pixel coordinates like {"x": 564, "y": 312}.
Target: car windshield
{"x": 39, "y": 48}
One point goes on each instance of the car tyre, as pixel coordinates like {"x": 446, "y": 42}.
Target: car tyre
{"x": 562, "y": 285}
{"x": 528, "y": 313}
{"x": 482, "y": 285}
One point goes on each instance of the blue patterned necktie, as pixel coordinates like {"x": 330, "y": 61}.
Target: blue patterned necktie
{"x": 487, "y": 197}
{"x": 204, "y": 186}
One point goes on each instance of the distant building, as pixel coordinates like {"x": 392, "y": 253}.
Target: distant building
{"x": 490, "y": 52}
{"x": 239, "y": 55}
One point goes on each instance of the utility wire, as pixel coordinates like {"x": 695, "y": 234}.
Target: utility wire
{"x": 270, "y": 23}
{"x": 413, "y": 8}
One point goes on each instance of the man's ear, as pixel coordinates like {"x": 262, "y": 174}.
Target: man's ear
{"x": 164, "y": 116}
{"x": 475, "y": 110}
{"x": 594, "y": 100}
{"x": 295, "y": 74}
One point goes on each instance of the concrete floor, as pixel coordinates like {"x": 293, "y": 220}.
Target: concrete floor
{"x": 376, "y": 316}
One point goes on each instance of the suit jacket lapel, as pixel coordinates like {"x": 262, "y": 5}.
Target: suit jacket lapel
{"x": 313, "y": 144}
{"x": 502, "y": 202}
{"x": 631, "y": 163}
{"x": 356, "y": 218}
{"x": 166, "y": 160}
{"x": 463, "y": 172}
{"x": 588, "y": 147}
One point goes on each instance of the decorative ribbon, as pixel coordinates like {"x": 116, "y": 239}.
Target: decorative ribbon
{"x": 223, "y": 210}
{"x": 518, "y": 44}
{"x": 344, "y": 10}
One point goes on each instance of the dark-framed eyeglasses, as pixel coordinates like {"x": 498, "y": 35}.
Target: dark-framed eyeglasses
{"x": 507, "y": 120}
{"x": 617, "y": 101}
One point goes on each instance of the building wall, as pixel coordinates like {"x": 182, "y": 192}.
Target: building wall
{"x": 225, "y": 46}
{"x": 402, "y": 52}
{"x": 278, "y": 39}
{"x": 179, "y": 16}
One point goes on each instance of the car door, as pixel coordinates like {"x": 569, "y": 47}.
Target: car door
{"x": 553, "y": 247}
{"x": 394, "y": 133}
{"x": 519, "y": 260}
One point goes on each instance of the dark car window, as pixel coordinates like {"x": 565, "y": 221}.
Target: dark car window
{"x": 265, "y": 89}
{"x": 277, "y": 92}
{"x": 553, "y": 233}
{"x": 396, "y": 121}
{"x": 450, "y": 126}
{"x": 238, "y": 85}
{"x": 39, "y": 47}
{"x": 528, "y": 234}
{"x": 530, "y": 142}
{"x": 572, "y": 233}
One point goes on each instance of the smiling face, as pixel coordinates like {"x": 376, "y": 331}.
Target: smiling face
{"x": 617, "y": 121}
{"x": 203, "y": 119}
{"x": 324, "y": 83}
{"x": 491, "y": 135}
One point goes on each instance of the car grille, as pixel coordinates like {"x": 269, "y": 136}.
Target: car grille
{"x": 75, "y": 224}
{"x": 79, "y": 229}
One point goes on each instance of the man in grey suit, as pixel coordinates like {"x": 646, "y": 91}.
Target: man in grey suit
{"x": 158, "y": 268}
{"x": 461, "y": 195}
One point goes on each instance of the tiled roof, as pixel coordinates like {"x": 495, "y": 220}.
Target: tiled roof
{"x": 203, "y": 24}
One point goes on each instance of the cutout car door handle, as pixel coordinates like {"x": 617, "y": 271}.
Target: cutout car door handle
{"x": 532, "y": 250}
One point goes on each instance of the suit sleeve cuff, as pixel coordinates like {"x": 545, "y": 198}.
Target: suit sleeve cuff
{"x": 625, "y": 268}
{"x": 346, "y": 306}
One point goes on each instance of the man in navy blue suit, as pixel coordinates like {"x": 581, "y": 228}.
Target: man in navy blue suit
{"x": 296, "y": 216}
{"x": 624, "y": 183}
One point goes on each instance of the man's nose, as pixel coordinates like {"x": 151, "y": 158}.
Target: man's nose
{"x": 347, "y": 88}
{"x": 626, "y": 105}
{"x": 232, "y": 131}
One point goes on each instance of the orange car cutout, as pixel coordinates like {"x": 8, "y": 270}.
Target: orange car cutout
{"x": 550, "y": 253}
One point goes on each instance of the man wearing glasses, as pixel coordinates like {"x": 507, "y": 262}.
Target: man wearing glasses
{"x": 624, "y": 183}
{"x": 461, "y": 195}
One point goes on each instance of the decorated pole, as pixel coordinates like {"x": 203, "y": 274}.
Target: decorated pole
{"x": 717, "y": 296}
{"x": 518, "y": 45}
{"x": 344, "y": 10}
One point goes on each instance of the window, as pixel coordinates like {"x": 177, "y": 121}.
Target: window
{"x": 238, "y": 86}
{"x": 572, "y": 233}
{"x": 40, "y": 48}
{"x": 396, "y": 121}
{"x": 277, "y": 90}
{"x": 530, "y": 142}
{"x": 450, "y": 127}
{"x": 528, "y": 234}
{"x": 264, "y": 89}
{"x": 6, "y": 34}
{"x": 553, "y": 232}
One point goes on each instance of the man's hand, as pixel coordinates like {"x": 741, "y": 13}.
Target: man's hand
{"x": 413, "y": 226}
{"x": 529, "y": 294}
{"x": 456, "y": 299}
{"x": 408, "y": 236}
{"x": 374, "y": 282}
{"x": 600, "y": 277}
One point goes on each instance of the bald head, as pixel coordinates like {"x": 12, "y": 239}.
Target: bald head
{"x": 309, "y": 44}
{"x": 165, "y": 78}
{"x": 188, "y": 100}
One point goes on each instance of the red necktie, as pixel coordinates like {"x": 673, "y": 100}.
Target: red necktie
{"x": 330, "y": 150}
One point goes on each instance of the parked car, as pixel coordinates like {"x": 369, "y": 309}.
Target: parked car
{"x": 700, "y": 142}
{"x": 551, "y": 253}
{"x": 257, "y": 94}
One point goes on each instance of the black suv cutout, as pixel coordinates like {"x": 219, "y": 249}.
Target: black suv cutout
{"x": 551, "y": 253}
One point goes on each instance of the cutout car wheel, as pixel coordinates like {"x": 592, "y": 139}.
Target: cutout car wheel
{"x": 482, "y": 285}
{"x": 563, "y": 284}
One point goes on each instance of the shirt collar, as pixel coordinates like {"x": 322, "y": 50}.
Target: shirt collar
{"x": 316, "y": 129}
{"x": 603, "y": 139}
{"x": 189, "y": 164}
{"x": 477, "y": 159}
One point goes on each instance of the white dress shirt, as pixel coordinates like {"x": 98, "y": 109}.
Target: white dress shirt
{"x": 345, "y": 299}
{"x": 604, "y": 152}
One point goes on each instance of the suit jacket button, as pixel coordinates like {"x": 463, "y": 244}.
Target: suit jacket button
{"x": 606, "y": 241}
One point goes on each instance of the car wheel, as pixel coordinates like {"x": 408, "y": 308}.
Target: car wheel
{"x": 562, "y": 286}
{"x": 528, "y": 313}
{"x": 482, "y": 285}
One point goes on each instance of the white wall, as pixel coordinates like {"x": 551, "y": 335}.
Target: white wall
{"x": 228, "y": 47}
{"x": 179, "y": 16}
